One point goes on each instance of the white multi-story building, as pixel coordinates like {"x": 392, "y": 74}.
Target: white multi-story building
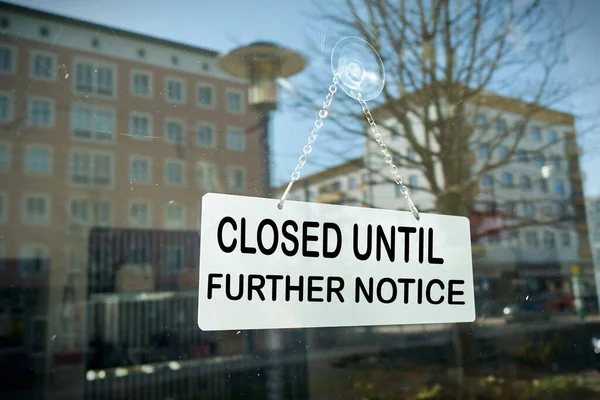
{"x": 540, "y": 191}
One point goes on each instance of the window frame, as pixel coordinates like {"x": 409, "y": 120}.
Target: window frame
{"x": 214, "y": 95}
{"x": 182, "y": 82}
{"x": 231, "y": 129}
{"x": 147, "y": 115}
{"x": 148, "y": 159}
{"x": 93, "y": 152}
{"x": 96, "y": 64}
{"x": 46, "y": 218}
{"x": 14, "y": 60}
{"x": 242, "y": 109}
{"x": 208, "y": 165}
{"x": 133, "y": 202}
{"x": 169, "y": 161}
{"x": 52, "y": 117}
{"x": 230, "y": 170}
{"x": 29, "y": 245}
{"x": 180, "y": 121}
{"x": 43, "y": 53}
{"x": 93, "y": 108}
{"x": 11, "y": 113}
{"x": 214, "y": 134}
{"x": 4, "y": 210}
{"x": 48, "y": 171}
{"x": 7, "y": 145}
{"x": 165, "y": 212}
{"x": 132, "y": 73}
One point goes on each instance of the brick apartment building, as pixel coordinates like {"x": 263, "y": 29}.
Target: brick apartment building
{"x": 107, "y": 128}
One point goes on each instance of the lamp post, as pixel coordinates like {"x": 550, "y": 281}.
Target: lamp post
{"x": 262, "y": 63}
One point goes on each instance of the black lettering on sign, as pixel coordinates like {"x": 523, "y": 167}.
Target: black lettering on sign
{"x": 261, "y": 246}
{"x": 338, "y": 247}
{"x": 420, "y": 291}
{"x": 407, "y": 230}
{"x": 289, "y": 288}
{"x": 390, "y": 247}
{"x": 406, "y": 282}
{"x": 367, "y": 252}
{"x": 256, "y": 287}
{"x": 452, "y": 292}
{"x": 421, "y": 245}
{"x": 331, "y": 289}
{"x": 380, "y": 291}
{"x": 274, "y": 279}
{"x": 430, "y": 257}
{"x": 312, "y": 288}
{"x": 224, "y": 248}
{"x": 245, "y": 249}
{"x": 212, "y": 285}
{"x": 428, "y": 291}
{"x": 286, "y": 234}
{"x": 360, "y": 288}
{"x": 228, "y": 287}
{"x": 309, "y": 238}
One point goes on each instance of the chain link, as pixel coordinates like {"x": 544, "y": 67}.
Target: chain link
{"x": 311, "y": 139}
{"x": 386, "y": 156}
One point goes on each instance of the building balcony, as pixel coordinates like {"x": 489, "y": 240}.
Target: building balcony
{"x": 576, "y": 175}
{"x": 572, "y": 149}
{"x": 331, "y": 198}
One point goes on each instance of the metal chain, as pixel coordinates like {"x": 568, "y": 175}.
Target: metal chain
{"x": 387, "y": 157}
{"x": 311, "y": 139}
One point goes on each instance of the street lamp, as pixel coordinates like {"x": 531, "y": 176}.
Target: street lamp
{"x": 263, "y": 63}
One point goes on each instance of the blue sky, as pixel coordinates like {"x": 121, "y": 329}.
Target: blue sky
{"x": 223, "y": 25}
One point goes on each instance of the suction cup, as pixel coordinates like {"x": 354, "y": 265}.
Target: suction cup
{"x": 359, "y": 68}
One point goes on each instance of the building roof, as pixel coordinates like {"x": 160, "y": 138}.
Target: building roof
{"x": 493, "y": 100}
{"x": 349, "y": 166}
{"x": 31, "y": 12}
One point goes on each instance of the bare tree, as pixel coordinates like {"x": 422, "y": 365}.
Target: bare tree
{"x": 444, "y": 61}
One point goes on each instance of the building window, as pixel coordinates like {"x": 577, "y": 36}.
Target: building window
{"x": 559, "y": 187}
{"x": 510, "y": 208}
{"x": 207, "y": 176}
{"x": 397, "y": 159}
{"x": 139, "y": 169}
{"x": 528, "y": 210}
{"x": 507, "y": 179}
{"x": 543, "y": 186}
{"x": 91, "y": 168}
{"x": 90, "y": 212}
{"x": 206, "y": 97}
{"x": 38, "y": 160}
{"x": 540, "y": 160}
{"x": 552, "y": 137}
{"x": 487, "y": 180}
{"x": 481, "y": 120}
{"x": 352, "y": 184}
{"x": 411, "y": 155}
{"x": 141, "y": 84}
{"x": 531, "y": 239}
{"x": 36, "y": 210}
{"x": 236, "y": 179}
{"x": 4, "y": 157}
{"x": 139, "y": 214}
{"x": 502, "y": 152}
{"x": 175, "y": 90}
{"x": 235, "y": 101}
{"x": 413, "y": 181}
{"x": 501, "y": 126}
{"x": 95, "y": 77}
{"x": 555, "y": 162}
{"x": 549, "y": 240}
{"x": 6, "y": 107}
{"x": 566, "y": 239}
{"x": 484, "y": 151}
{"x": 398, "y": 190}
{"x": 535, "y": 133}
{"x": 513, "y": 238}
{"x": 92, "y": 123}
{"x": 174, "y": 259}
{"x": 522, "y": 156}
{"x": 205, "y": 136}
{"x": 235, "y": 139}
{"x": 40, "y": 112}
{"x": 525, "y": 182}
{"x": 43, "y": 66}
{"x": 174, "y": 173}
{"x": 174, "y": 216}
{"x": 3, "y": 206}
{"x": 175, "y": 132}
{"x": 33, "y": 259}
{"x": 140, "y": 126}
{"x": 7, "y": 59}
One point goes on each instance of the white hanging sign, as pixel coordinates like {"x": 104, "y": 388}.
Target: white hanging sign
{"x": 318, "y": 265}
